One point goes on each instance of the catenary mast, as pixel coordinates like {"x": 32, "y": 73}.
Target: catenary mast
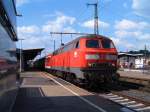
{"x": 96, "y": 25}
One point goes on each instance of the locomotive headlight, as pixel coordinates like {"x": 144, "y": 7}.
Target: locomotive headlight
{"x": 92, "y": 56}
{"x": 113, "y": 65}
{"x": 89, "y": 64}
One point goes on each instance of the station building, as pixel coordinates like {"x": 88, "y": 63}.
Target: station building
{"x": 133, "y": 60}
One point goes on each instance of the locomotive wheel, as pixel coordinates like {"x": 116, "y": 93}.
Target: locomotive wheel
{"x": 92, "y": 85}
{"x": 64, "y": 76}
{"x": 70, "y": 77}
{"x": 114, "y": 79}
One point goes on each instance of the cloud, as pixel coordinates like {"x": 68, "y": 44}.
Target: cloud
{"x": 69, "y": 29}
{"x": 141, "y": 7}
{"x": 144, "y": 36}
{"x": 127, "y": 28}
{"x": 139, "y": 35}
{"x": 125, "y": 5}
{"x": 28, "y": 29}
{"x": 90, "y": 24}
{"x": 127, "y": 34}
{"x": 39, "y": 36}
{"x": 123, "y": 43}
{"x": 61, "y": 23}
{"x": 33, "y": 36}
{"x": 116, "y": 41}
{"x": 107, "y": 1}
{"x": 129, "y": 25}
{"x": 32, "y": 40}
{"x": 21, "y": 2}
{"x": 131, "y": 33}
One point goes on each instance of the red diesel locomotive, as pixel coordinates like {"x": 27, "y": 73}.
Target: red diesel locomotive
{"x": 90, "y": 58}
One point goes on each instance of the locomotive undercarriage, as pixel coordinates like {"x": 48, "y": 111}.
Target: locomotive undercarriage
{"x": 101, "y": 73}
{"x": 100, "y": 76}
{"x": 94, "y": 75}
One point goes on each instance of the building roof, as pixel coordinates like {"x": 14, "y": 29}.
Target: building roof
{"x": 29, "y": 54}
{"x": 129, "y": 54}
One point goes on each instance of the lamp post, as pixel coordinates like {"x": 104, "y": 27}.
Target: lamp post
{"x": 21, "y": 54}
{"x": 20, "y": 15}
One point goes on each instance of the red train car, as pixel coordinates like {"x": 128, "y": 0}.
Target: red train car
{"x": 90, "y": 58}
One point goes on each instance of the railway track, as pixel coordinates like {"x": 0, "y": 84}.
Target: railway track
{"x": 129, "y": 102}
{"x": 123, "y": 93}
{"x": 128, "y": 95}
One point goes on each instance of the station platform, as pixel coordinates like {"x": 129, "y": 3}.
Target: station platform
{"x": 135, "y": 77}
{"x": 42, "y": 92}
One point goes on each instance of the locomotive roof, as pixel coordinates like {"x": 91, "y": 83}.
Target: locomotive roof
{"x": 85, "y": 36}
{"x": 89, "y": 36}
{"x": 92, "y": 36}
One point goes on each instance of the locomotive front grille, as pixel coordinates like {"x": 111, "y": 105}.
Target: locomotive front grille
{"x": 100, "y": 67}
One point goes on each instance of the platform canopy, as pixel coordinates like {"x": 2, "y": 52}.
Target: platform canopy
{"x": 29, "y": 54}
{"x": 122, "y": 54}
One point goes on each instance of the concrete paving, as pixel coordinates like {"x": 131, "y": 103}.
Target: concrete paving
{"x": 42, "y": 92}
{"x": 134, "y": 74}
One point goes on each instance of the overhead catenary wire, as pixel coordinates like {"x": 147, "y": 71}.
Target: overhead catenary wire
{"x": 69, "y": 33}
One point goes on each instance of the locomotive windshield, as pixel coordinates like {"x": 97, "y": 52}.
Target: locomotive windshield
{"x": 92, "y": 44}
{"x": 107, "y": 44}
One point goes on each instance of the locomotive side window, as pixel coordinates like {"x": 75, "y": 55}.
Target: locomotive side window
{"x": 67, "y": 47}
{"x": 77, "y": 45}
{"x": 107, "y": 44}
{"x": 92, "y": 44}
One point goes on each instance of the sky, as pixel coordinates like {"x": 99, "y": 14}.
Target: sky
{"x": 126, "y": 22}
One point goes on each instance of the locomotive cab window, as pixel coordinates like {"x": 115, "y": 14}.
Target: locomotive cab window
{"x": 92, "y": 44}
{"x": 107, "y": 44}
